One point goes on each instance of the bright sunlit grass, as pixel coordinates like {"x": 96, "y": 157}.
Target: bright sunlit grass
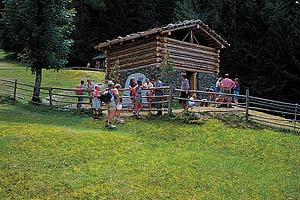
{"x": 59, "y": 155}
{"x": 64, "y": 78}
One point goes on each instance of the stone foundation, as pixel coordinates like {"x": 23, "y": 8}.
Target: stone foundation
{"x": 204, "y": 80}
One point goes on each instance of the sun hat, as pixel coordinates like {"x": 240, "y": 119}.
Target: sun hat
{"x": 110, "y": 83}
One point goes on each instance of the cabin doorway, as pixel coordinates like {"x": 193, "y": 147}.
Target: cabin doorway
{"x": 192, "y": 77}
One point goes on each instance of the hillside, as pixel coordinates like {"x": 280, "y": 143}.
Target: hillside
{"x": 62, "y": 155}
{"x": 12, "y": 70}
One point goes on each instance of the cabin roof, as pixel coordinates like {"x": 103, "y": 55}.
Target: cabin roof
{"x": 187, "y": 24}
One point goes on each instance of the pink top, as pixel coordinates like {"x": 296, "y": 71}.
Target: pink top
{"x": 96, "y": 93}
{"x": 227, "y": 83}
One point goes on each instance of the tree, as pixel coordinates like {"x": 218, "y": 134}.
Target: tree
{"x": 38, "y": 30}
{"x": 100, "y": 20}
{"x": 265, "y": 43}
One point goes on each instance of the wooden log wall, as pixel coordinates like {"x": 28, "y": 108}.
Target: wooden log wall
{"x": 189, "y": 56}
{"x": 151, "y": 51}
{"x": 135, "y": 54}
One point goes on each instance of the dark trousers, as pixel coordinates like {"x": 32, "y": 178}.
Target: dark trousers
{"x": 80, "y": 99}
{"x": 183, "y": 95}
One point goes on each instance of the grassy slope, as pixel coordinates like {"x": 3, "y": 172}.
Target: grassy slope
{"x": 51, "y": 154}
{"x": 65, "y": 78}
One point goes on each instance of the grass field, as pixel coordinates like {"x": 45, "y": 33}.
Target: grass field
{"x": 64, "y": 78}
{"x": 50, "y": 154}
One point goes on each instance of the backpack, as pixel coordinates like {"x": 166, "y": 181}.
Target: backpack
{"x": 105, "y": 96}
{"x": 79, "y": 92}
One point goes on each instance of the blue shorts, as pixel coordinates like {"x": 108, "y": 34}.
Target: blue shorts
{"x": 237, "y": 93}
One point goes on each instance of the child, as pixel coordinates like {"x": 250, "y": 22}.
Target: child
{"x": 192, "y": 101}
{"x": 118, "y": 107}
{"x": 236, "y": 90}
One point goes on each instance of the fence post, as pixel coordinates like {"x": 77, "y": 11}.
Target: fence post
{"x": 15, "y": 90}
{"x": 247, "y": 104}
{"x": 50, "y": 97}
{"x": 170, "y": 100}
{"x": 295, "y": 119}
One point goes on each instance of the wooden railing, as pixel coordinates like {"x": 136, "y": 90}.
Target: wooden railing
{"x": 66, "y": 97}
{"x": 252, "y": 108}
{"x": 262, "y": 110}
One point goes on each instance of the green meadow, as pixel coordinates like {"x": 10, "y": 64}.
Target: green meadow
{"x": 12, "y": 70}
{"x": 52, "y": 154}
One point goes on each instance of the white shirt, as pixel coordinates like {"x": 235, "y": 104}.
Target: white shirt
{"x": 147, "y": 86}
{"x": 192, "y": 102}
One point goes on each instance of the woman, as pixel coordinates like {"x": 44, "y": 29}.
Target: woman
{"x": 96, "y": 102}
{"x": 138, "y": 99}
{"x": 132, "y": 84}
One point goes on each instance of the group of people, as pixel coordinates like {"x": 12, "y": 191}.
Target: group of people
{"x": 136, "y": 88}
{"x": 228, "y": 86}
{"x": 223, "y": 86}
{"x": 153, "y": 91}
{"x": 114, "y": 105}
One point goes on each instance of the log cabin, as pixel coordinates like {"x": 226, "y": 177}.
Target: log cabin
{"x": 190, "y": 46}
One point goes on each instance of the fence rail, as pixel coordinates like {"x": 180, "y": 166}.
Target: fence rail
{"x": 253, "y": 108}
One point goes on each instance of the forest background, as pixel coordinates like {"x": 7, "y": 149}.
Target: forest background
{"x": 264, "y": 35}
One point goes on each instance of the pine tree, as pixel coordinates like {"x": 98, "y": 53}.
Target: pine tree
{"x": 264, "y": 38}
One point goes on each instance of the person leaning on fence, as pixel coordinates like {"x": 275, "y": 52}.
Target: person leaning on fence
{"x": 226, "y": 86}
{"x": 96, "y": 104}
{"x": 185, "y": 86}
{"x": 147, "y": 85}
{"x": 236, "y": 90}
{"x": 111, "y": 105}
{"x": 118, "y": 106}
{"x": 79, "y": 92}
{"x": 158, "y": 92}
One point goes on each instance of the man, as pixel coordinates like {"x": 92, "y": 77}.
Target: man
{"x": 185, "y": 86}
{"x": 158, "y": 92}
{"x": 111, "y": 106}
{"x": 226, "y": 85}
{"x": 147, "y": 85}
{"x": 80, "y": 87}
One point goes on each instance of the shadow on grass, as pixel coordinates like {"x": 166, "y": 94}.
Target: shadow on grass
{"x": 39, "y": 114}
{"x": 151, "y": 126}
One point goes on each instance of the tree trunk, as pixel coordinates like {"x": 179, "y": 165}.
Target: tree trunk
{"x": 36, "y": 90}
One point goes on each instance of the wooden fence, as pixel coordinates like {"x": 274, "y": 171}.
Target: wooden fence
{"x": 67, "y": 98}
{"x": 253, "y": 108}
{"x": 262, "y": 110}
